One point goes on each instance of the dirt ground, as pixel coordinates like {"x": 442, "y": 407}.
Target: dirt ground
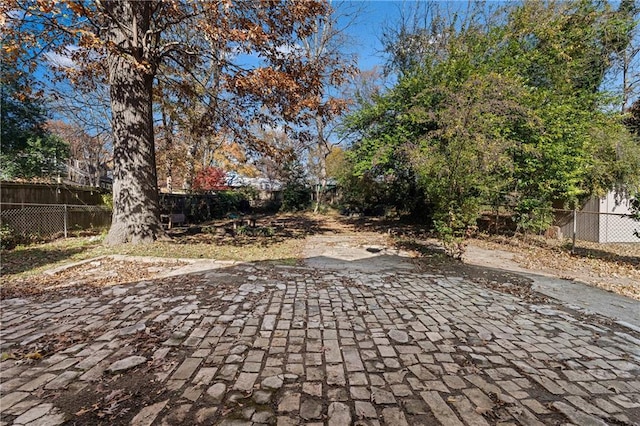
{"x": 613, "y": 267}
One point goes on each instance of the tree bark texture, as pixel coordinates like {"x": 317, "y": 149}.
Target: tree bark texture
{"x": 323, "y": 153}
{"x": 136, "y": 213}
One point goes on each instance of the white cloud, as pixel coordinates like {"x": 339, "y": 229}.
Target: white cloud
{"x": 289, "y": 49}
{"x": 12, "y": 18}
{"x": 62, "y": 60}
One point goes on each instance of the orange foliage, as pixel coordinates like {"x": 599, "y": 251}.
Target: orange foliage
{"x": 195, "y": 35}
{"x": 210, "y": 179}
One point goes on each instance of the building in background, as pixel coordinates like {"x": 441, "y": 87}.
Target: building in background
{"x": 602, "y": 220}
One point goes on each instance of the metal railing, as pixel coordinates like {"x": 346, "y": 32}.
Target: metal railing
{"x": 46, "y": 220}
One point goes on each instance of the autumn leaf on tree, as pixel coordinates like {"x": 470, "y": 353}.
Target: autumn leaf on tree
{"x": 187, "y": 47}
{"x": 210, "y": 179}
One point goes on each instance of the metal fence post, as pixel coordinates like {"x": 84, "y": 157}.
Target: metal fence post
{"x": 65, "y": 221}
{"x": 575, "y": 230}
{"x": 23, "y": 221}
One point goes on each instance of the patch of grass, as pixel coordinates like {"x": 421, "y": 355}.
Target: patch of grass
{"x": 36, "y": 258}
{"x": 247, "y": 252}
{"x": 264, "y": 242}
{"x": 292, "y": 261}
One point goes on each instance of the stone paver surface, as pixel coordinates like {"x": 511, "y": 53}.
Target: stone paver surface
{"x": 269, "y": 344}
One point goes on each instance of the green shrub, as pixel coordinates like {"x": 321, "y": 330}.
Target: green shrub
{"x": 8, "y": 238}
{"x": 533, "y": 216}
{"x": 295, "y": 198}
{"x": 200, "y": 208}
{"x": 107, "y": 200}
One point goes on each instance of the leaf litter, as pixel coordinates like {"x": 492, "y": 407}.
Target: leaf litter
{"x": 614, "y": 267}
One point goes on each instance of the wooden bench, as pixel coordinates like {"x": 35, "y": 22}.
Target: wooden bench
{"x": 173, "y": 219}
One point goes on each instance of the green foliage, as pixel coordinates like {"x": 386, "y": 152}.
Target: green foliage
{"x": 296, "y": 194}
{"x": 634, "y": 206}
{"x": 510, "y": 108}
{"x": 465, "y": 158}
{"x": 565, "y": 46}
{"x": 107, "y": 200}
{"x": 379, "y": 174}
{"x": 226, "y": 202}
{"x": 8, "y": 238}
{"x": 22, "y": 114}
{"x": 40, "y": 156}
{"x": 28, "y": 150}
{"x": 266, "y": 231}
{"x": 532, "y": 215}
{"x": 295, "y": 197}
{"x": 248, "y": 193}
{"x": 200, "y": 208}
{"x": 374, "y": 193}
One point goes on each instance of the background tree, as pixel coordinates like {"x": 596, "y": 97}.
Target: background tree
{"x": 286, "y": 150}
{"x": 578, "y": 150}
{"x": 210, "y": 179}
{"x": 626, "y": 60}
{"x": 325, "y": 50}
{"x": 132, "y": 39}
{"x": 88, "y": 155}
{"x": 28, "y": 148}
{"x": 83, "y": 118}
{"x": 505, "y": 107}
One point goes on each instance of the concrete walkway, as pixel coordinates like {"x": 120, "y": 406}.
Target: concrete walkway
{"x": 359, "y": 339}
{"x": 576, "y": 295}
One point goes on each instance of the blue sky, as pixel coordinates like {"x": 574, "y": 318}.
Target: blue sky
{"x": 366, "y": 30}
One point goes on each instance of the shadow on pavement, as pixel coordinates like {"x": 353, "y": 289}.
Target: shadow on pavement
{"x": 266, "y": 342}
{"x": 24, "y": 259}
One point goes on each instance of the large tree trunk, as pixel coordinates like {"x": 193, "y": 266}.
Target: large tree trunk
{"x": 136, "y": 213}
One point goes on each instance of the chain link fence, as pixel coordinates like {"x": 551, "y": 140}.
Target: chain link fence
{"x": 46, "y": 220}
{"x": 597, "y": 227}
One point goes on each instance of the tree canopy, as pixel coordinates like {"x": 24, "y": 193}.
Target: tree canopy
{"x": 197, "y": 50}
{"x": 28, "y": 148}
{"x": 507, "y": 109}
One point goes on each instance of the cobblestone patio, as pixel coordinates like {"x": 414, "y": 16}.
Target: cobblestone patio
{"x": 268, "y": 344}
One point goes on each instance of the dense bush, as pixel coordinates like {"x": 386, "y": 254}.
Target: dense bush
{"x": 533, "y": 216}
{"x": 8, "y": 238}
{"x": 200, "y": 208}
{"x": 515, "y": 106}
{"x": 295, "y": 197}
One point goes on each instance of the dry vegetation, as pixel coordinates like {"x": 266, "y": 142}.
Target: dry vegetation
{"x": 281, "y": 239}
{"x": 614, "y": 266}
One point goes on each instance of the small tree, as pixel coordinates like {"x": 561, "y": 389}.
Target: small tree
{"x": 210, "y": 179}
{"x": 296, "y": 195}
